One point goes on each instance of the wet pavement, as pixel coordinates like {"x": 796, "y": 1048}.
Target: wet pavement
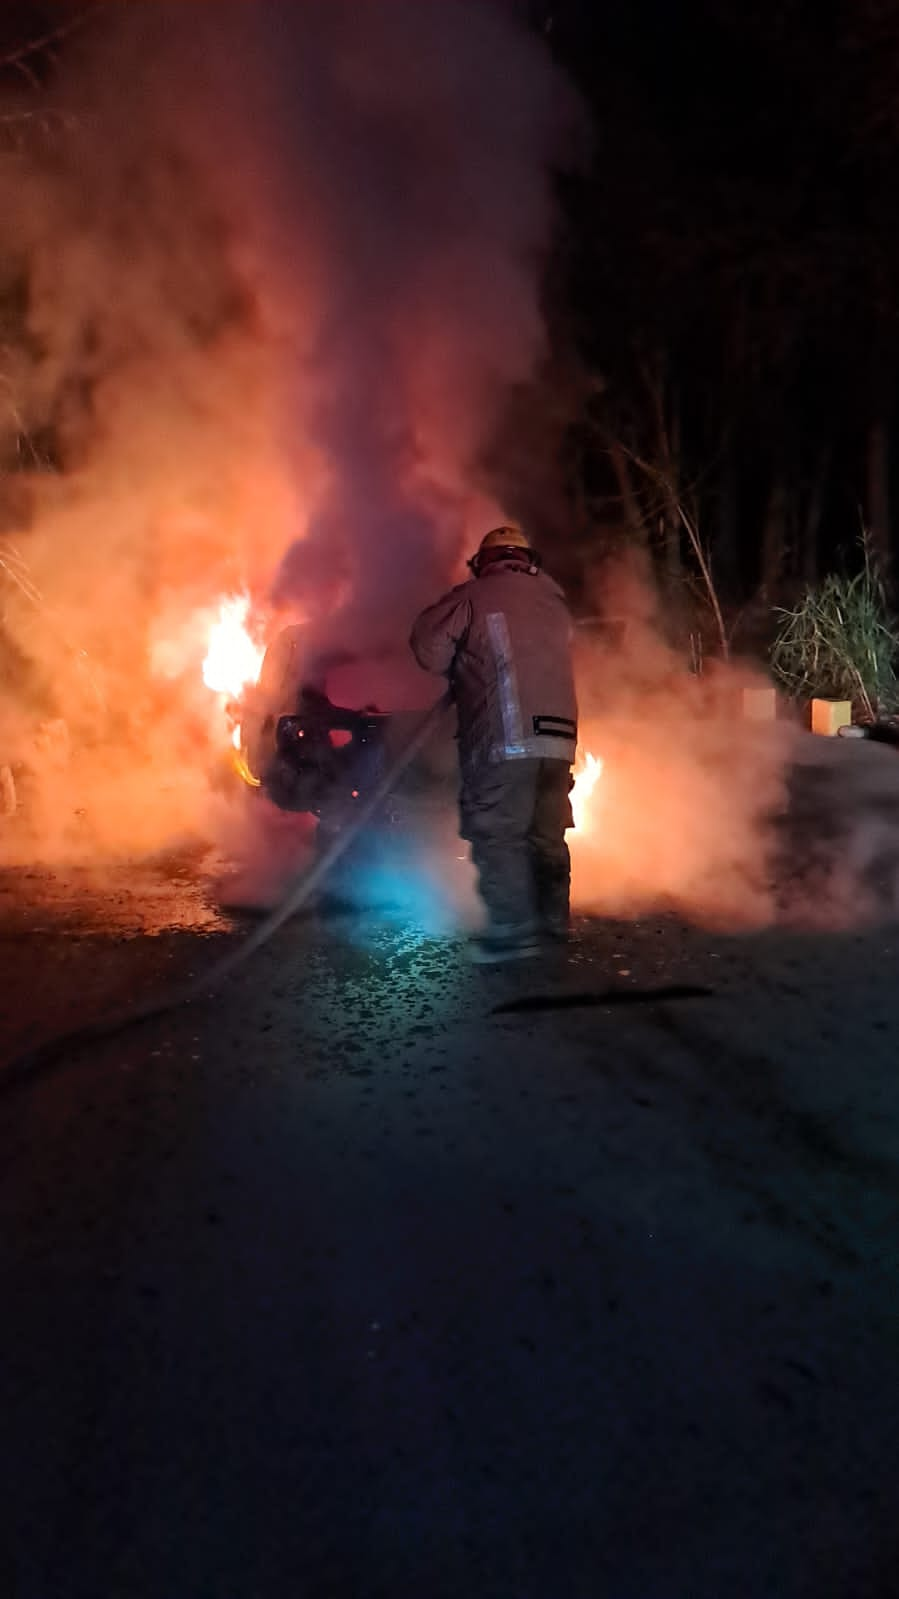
{"x": 378, "y": 1276}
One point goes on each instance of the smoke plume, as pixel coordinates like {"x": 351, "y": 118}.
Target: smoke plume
{"x": 264, "y": 286}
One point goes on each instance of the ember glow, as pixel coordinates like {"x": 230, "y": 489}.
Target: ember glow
{"x": 239, "y": 762}
{"x": 588, "y": 770}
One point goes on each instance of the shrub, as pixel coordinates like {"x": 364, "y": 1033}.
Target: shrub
{"x": 841, "y": 642}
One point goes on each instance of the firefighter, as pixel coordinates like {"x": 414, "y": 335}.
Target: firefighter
{"x": 503, "y": 639}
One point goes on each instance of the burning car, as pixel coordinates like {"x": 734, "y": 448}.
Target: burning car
{"x": 318, "y": 757}
{"x": 306, "y": 754}
{"x": 293, "y": 746}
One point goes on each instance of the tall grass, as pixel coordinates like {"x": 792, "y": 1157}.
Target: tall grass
{"x": 841, "y": 642}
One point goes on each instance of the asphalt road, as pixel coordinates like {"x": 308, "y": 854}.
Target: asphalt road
{"x": 379, "y": 1276}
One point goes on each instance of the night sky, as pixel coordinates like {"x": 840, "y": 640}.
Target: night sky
{"x": 738, "y": 219}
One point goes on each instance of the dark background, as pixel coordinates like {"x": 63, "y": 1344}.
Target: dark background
{"x": 723, "y": 284}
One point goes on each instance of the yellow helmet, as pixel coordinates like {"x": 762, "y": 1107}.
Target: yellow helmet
{"x": 509, "y": 537}
{"x": 502, "y": 541}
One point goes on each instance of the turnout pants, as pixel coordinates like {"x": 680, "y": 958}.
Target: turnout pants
{"x": 514, "y": 814}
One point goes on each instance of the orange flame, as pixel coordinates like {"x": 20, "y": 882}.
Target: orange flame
{"x": 233, "y": 659}
{"x": 585, "y": 782}
{"x": 233, "y": 662}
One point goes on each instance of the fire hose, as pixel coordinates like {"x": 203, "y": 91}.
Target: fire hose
{"x": 24, "y": 1067}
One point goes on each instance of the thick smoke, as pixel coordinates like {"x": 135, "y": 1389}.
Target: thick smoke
{"x": 704, "y": 810}
{"x": 686, "y": 813}
{"x": 266, "y": 284}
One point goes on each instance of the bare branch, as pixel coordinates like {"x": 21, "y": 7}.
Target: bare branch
{"x": 19, "y": 59}
{"x": 16, "y": 569}
{"x": 658, "y": 476}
